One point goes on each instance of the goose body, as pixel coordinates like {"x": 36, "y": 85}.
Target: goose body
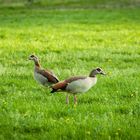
{"x": 42, "y": 76}
{"x": 78, "y": 84}
{"x": 81, "y": 85}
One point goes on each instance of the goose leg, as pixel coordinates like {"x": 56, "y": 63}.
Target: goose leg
{"x": 75, "y": 99}
{"x": 67, "y": 99}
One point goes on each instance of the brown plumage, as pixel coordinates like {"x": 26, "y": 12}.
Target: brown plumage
{"x": 49, "y": 75}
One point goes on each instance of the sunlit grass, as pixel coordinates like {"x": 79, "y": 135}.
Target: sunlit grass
{"x": 70, "y": 42}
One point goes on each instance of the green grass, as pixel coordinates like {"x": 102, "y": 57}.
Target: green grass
{"x": 71, "y": 42}
{"x": 72, "y": 3}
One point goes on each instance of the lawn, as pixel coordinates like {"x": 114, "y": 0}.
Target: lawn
{"x": 70, "y": 42}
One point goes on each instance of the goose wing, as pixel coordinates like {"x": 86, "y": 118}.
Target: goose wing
{"x": 63, "y": 84}
{"x": 49, "y": 75}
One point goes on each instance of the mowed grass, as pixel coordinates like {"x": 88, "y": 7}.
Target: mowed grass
{"x": 70, "y": 42}
{"x": 71, "y": 3}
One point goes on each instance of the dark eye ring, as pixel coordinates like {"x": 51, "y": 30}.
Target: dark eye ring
{"x": 98, "y": 69}
{"x": 32, "y": 55}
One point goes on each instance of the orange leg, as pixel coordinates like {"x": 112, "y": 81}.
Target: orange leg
{"x": 75, "y": 99}
{"x": 67, "y": 99}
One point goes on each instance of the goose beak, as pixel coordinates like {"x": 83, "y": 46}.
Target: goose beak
{"x": 103, "y": 73}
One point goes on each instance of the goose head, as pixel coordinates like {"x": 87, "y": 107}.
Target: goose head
{"x": 34, "y": 58}
{"x": 96, "y": 71}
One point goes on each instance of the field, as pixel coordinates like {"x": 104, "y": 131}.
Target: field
{"x": 70, "y": 42}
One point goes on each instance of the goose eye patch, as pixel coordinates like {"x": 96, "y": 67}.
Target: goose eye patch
{"x": 32, "y": 55}
{"x": 98, "y": 69}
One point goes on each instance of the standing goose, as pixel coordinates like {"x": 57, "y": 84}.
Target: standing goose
{"x": 78, "y": 84}
{"x": 44, "y": 77}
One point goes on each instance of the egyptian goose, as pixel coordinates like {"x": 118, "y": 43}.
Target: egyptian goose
{"x": 44, "y": 77}
{"x": 78, "y": 84}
